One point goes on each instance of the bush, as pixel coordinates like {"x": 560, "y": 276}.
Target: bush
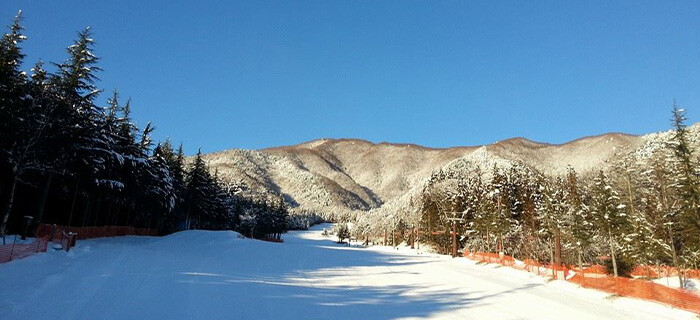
{"x": 343, "y": 232}
{"x": 624, "y": 267}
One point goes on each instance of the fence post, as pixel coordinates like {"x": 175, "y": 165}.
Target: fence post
{"x": 12, "y": 250}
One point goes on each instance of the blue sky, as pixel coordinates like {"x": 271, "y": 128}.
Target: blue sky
{"x": 257, "y": 74}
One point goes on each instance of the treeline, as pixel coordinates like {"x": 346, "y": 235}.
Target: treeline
{"x": 644, "y": 211}
{"x": 65, "y": 159}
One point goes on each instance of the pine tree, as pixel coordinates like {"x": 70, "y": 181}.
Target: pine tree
{"x": 659, "y": 187}
{"x": 18, "y": 141}
{"x": 501, "y": 219}
{"x": 686, "y": 185}
{"x": 175, "y": 164}
{"x": 11, "y": 58}
{"x": 608, "y": 214}
{"x": 640, "y": 243}
{"x": 343, "y": 232}
{"x": 579, "y": 226}
{"x": 196, "y": 192}
{"x": 551, "y": 213}
{"x": 159, "y": 187}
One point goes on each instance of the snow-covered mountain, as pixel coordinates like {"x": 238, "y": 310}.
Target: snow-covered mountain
{"x": 335, "y": 175}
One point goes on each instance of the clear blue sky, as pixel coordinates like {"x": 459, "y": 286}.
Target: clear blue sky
{"x": 257, "y": 74}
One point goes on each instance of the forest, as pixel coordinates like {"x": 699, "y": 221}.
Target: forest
{"x": 65, "y": 159}
{"x": 643, "y": 211}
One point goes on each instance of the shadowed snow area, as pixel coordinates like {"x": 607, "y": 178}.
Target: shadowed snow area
{"x": 217, "y": 275}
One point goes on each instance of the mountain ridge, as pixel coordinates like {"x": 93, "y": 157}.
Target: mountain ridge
{"x": 349, "y": 174}
{"x": 411, "y": 144}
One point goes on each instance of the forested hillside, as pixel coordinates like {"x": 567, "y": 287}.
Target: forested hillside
{"x": 67, "y": 159}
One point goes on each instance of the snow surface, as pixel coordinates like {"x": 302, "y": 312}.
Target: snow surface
{"x": 673, "y": 282}
{"x": 17, "y": 239}
{"x": 217, "y": 275}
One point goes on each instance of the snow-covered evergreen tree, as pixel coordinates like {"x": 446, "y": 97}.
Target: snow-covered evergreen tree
{"x": 609, "y": 215}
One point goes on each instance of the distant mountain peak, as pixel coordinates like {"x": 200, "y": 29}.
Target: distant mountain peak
{"x": 355, "y": 174}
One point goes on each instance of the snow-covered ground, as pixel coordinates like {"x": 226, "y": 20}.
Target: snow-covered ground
{"x": 673, "y": 282}
{"x": 216, "y": 275}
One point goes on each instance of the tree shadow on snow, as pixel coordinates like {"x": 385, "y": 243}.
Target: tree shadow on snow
{"x": 303, "y": 278}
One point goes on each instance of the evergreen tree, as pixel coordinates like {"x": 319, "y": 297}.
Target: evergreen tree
{"x": 579, "y": 227}
{"x": 197, "y": 198}
{"x": 608, "y": 214}
{"x": 19, "y": 138}
{"x": 551, "y": 213}
{"x": 343, "y": 232}
{"x": 687, "y": 189}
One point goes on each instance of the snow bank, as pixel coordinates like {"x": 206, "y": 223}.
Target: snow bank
{"x": 197, "y": 239}
{"x": 673, "y": 282}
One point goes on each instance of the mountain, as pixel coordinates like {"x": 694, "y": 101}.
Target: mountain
{"x": 339, "y": 175}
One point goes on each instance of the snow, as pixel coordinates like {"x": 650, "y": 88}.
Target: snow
{"x": 218, "y": 275}
{"x": 673, "y": 282}
{"x": 15, "y": 238}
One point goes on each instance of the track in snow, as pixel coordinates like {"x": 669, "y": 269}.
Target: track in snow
{"x": 215, "y": 275}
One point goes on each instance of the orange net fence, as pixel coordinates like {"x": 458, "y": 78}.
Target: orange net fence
{"x": 595, "y": 277}
{"x": 94, "y": 232}
{"x": 14, "y": 250}
{"x": 663, "y": 271}
{"x": 642, "y": 289}
{"x": 64, "y": 236}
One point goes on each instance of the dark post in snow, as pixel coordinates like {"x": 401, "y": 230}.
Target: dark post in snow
{"x": 454, "y": 239}
{"x": 27, "y": 223}
{"x": 454, "y": 235}
{"x": 413, "y": 237}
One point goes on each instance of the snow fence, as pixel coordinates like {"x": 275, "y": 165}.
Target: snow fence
{"x": 594, "y": 277}
{"x": 94, "y": 232}
{"x": 14, "y": 250}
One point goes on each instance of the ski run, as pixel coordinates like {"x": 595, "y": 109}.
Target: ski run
{"x": 220, "y": 275}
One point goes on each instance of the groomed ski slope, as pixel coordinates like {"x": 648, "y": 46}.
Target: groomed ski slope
{"x": 216, "y": 275}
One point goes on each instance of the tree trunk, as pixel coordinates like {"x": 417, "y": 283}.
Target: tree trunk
{"x": 8, "y": 206}
{"x": 72, "y": 205}
{"x": 675, "y": 258}
{"x": 551, "y": 251}
{"x": 612, "y": 252}
{"x": 413, "y": 238}
{"x": 110, "y": 212}
{"x": 454, "y": 239}
{"x": 86, "y": 211}
{"x": 557, "y": 247}
{"x": 580, "y": 261}
{"x": 117, "y": 211}
{"x": 98, "y": 208}
{"x": 488, "y": 241}
{"x": 42, "y": 201}
{"x": 580, "y": 266}
{"x": 674, "y": 255}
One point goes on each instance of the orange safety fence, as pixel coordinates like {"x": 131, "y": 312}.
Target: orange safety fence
{"x": 595, "y": 277}
{"x": 663, "y": 271}
{"x": 65, "y": 236}
{"x": 13, "y": 251}
{"x": 529, "y": 265}
{"x": 595, "y": 269}
{"x": 642, "y": 289}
